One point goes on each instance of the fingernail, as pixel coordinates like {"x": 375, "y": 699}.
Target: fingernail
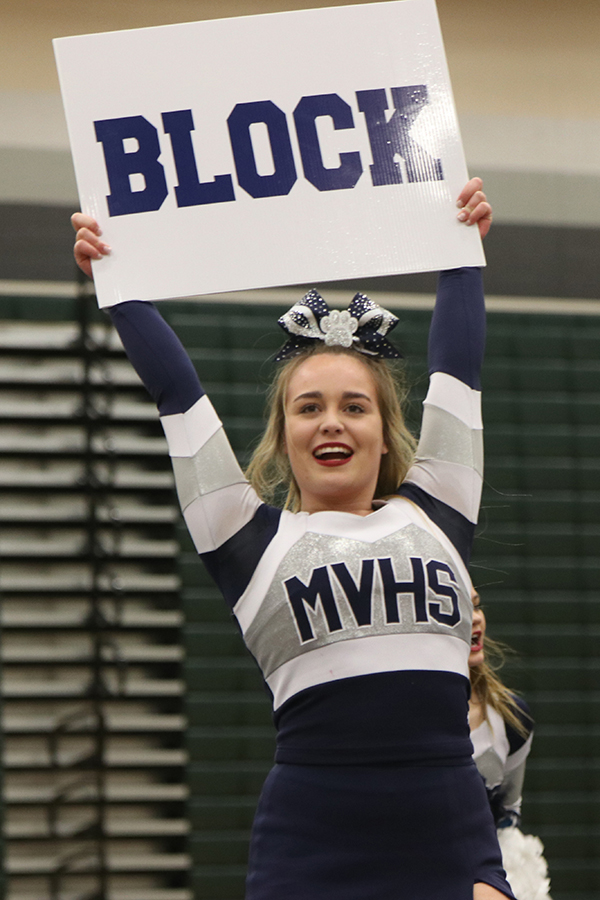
{"x": 462, "y": 217}
{"x": 460, "y": 204}
{"x": 106, "y": 248}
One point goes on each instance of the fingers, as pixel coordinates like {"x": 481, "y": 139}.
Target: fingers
{"x": 482, "y": 215}
{"x": 84, "y": 253}
{"x": 478, "y": 212}
{"x": 91, "y": 239}
{"x": 88, "y": 245}
{"x": 470, "y": 188}
{"x": 474, "y": 207}
{"x": 80, "y": 220}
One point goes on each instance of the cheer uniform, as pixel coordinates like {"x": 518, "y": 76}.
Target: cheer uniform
{"x": 500, "y": 754}
{"x": 361, "y": 627}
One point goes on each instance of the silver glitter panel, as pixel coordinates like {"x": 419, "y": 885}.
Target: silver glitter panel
{"x": 214, "y": 466}
{"x": 446, "y": 438}
{"x": 491, "y": 767}
{"x": 273, "y": 637}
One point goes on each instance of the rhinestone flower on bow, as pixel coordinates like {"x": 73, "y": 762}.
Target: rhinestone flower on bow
{"x": 364, "y": 326}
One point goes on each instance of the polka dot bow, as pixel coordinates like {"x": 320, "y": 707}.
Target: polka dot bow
{"x": 364, "y": 326}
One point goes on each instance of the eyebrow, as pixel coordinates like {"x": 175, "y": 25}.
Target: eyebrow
{"x": 347, "y": 395}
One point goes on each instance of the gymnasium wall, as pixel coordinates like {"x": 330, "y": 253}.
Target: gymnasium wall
{"x": 525, "y": 78}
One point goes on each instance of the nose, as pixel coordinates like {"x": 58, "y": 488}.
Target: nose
{"x": 331, "y": 423}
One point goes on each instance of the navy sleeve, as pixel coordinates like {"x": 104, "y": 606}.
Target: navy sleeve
{"x": 157, "y": 355}
{"x": 523, "y": 713}
{"x": 445, "y": 485}
{"x": 455, "y": 526}
{"x": 457, "y": 333}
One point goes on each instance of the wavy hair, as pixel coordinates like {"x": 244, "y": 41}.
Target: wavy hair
{"x": 269, "y": 471}
{"x": 491, "y": 690}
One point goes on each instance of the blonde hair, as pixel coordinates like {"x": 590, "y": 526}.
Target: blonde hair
{"x": 491, "y": 691}
{"x": 270, "y": 472}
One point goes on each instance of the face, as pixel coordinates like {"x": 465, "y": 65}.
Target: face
{"x": 334, "y": 433}
{"x": 477, "y": 654}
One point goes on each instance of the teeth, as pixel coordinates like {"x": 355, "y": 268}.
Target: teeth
{"x": 326, "y": 451}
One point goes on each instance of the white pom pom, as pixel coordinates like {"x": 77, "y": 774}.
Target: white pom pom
{"x": 526, "y": 868}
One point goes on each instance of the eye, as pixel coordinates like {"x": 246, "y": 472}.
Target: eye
{"x": 355, "y": 408}
{"x": 308, "y": 408}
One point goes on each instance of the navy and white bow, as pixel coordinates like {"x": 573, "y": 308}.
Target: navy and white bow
{"x": 364, "y": 326}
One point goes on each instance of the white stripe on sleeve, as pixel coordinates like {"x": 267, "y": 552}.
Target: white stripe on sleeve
{"x": 458, "y": 486}
{"x": 187, "y": 432}
{"x": 214, "y": 518}
{"x": 455, "y": 397}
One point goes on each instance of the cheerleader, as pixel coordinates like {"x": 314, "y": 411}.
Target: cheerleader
{"x": 502, "y": 731}
{"x": 355, "y": 598}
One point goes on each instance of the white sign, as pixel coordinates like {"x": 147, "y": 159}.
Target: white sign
{"x": 267, "y": 150}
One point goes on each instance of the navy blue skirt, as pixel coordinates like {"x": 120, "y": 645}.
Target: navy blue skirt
{"x": 373, "y": 833}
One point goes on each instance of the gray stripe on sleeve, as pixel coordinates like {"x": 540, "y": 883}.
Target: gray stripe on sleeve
{"x": 512, "y": 787}
{"x": 214, "y": 466}
{"x": 446, "y": 438}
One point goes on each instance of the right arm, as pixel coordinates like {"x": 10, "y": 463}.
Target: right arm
{"x": 228, "y": 523}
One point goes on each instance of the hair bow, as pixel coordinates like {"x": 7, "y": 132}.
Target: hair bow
{"x": 363, "y": 325}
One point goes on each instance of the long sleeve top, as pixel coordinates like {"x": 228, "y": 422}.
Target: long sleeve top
{"x": 500, "y": 753}
{"x": 361, "y": 625}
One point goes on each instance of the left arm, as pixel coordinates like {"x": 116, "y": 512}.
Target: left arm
{"x": 510, "y": 790}
{"x": 447, "y": 475}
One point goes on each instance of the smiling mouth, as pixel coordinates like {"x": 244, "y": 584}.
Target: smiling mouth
{"x": 476, "y": 640}
{"x": 332, "y": 453}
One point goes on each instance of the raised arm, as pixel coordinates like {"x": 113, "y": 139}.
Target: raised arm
{"x": 154, "y": 350}
{"x": 229, "y": 525}
{"x": 158, "y": 356}
{"x": 447, "y": 476}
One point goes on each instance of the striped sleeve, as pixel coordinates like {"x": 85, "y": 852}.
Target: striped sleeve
{"x": 447, "y": 475}
{"x": 511, "y": 789}
{"x": 217, "y": 502}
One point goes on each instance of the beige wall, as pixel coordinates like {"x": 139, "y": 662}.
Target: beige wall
{"x": 507, "y": 57}
{"x": 525, "y": 73}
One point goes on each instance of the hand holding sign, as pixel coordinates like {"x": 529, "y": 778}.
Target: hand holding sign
{"x": 88, "y": 245}
{"x": 475, "y": 210}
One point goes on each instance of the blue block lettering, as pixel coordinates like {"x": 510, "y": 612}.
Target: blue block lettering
{"x": 302, "y": 595}
{"x": 284, "y": 177}
{"x": 392, "y": 138}
{"x": 442, "y": 589}
{"x": 122, "y": 200}
{"x": 350, "y": 168}
{"x": 190, "y": 191}
{"x": 359, "y": 597}
{"x": 391, "y": 589}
